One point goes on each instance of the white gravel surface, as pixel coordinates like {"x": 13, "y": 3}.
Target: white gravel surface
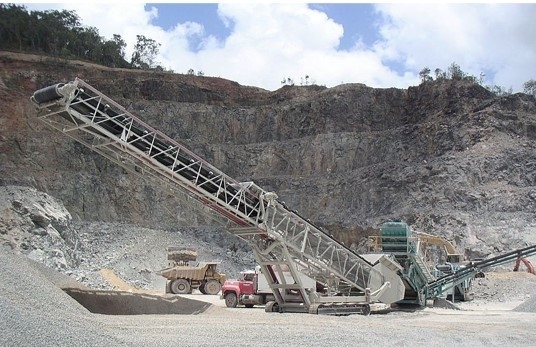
{"x": 35, "y": 312}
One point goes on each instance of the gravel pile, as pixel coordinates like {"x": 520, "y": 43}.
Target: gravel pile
{"x": 504, "y": 286}
{"x": 527, "y": 306}
{"x": 35, "y": 312}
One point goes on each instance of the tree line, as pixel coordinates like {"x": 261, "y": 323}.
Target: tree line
{"x": 454, "y": 72}
{"x": 61, "y": 34}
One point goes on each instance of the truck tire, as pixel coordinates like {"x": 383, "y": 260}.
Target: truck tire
{"x": 231, "y": 300}
{"x": 202, "y": 288}
{"x": 212, "y": 287}
{"x": 180, "y": 286}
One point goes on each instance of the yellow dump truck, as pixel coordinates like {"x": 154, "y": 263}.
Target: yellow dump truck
{"x": 184, "y": 275}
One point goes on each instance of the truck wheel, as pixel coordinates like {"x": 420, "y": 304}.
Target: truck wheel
{"x": 231, "y": 300}
{"x": 180, "y": 286}
{"x": 212, "y": 287}
{"x": 202, "y": 288}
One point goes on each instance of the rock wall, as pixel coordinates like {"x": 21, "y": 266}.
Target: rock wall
{"x": 448, "y": 157}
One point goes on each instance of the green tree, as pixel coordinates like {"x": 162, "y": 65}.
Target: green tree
{"x": 89, "y": 44}
{"x": 58, "y": 33}
{"x": 529, "y": 87}
{"x": 145, "y": 53}
{"x": 113, "y": 52}
{"x": 440, "y": 74}
{"x": 499, "y": 91}
{"x": 55, "y": 28}
{"x": 424, "y": 74}
{"x": 455, "y": 72}
{"x": 13, "y": 23}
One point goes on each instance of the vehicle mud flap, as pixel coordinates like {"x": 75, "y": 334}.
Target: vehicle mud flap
{"x": 271, "y": 306}
{"x": 168, "y": 287}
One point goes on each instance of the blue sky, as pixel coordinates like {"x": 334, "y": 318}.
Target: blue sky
{"x": 357, "y": 19}
{"x": 381, "y": 45}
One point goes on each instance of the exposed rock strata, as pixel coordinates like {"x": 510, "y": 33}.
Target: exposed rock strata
{"x": 448, "y": 157}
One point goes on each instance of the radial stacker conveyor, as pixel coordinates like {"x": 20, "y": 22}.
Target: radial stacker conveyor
{"x": 281, "y": 239}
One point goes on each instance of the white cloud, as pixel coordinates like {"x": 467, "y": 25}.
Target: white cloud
{"x": 493, "y": 38}
{"x": 270, "y": 42}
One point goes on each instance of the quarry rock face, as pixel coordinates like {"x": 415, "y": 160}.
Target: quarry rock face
{"x": 448, "y": 157}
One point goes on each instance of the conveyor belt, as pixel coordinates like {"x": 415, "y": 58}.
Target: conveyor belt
{"x": 280, "y": 238}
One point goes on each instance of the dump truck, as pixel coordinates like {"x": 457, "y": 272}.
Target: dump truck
{"x": 184, "y": 274}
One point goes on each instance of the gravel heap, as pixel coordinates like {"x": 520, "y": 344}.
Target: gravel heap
{"x": 502, "y": 288}
{"x": 36, "y": 312}
{"x": 529, "y": 303}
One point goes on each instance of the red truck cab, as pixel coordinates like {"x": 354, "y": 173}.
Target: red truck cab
{"x": 246, "y": 290}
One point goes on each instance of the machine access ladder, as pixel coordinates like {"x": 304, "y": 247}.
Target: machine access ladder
{"x": 281, "y": 239}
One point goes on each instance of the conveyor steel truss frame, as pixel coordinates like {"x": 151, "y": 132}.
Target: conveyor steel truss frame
{"x": 281, "y": 239}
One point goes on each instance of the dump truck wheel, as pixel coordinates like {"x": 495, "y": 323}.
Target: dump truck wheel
{"x": 231, "y": 300}
{"x": 202, "y": 288}
{"x": 180, "y": 286}
{"x": 212, "y": 287}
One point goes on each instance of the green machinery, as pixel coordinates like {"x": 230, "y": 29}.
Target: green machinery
{"x": 450, "y": 279}
{"x": 396, "y": 239}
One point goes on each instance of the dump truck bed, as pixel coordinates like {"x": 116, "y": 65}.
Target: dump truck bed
{"x": 195, "y": 273}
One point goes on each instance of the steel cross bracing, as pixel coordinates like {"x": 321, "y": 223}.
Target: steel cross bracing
{"x": 298, "y": 246}
{"x": 96, "y": 121}
{"x": 314, "y": 251}
{"x": 278, "y": 236}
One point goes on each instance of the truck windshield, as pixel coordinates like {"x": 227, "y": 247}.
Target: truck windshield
{"x": 249, "y": 277}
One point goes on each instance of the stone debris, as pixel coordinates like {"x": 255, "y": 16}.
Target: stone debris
{"x": 81, "y": 249}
